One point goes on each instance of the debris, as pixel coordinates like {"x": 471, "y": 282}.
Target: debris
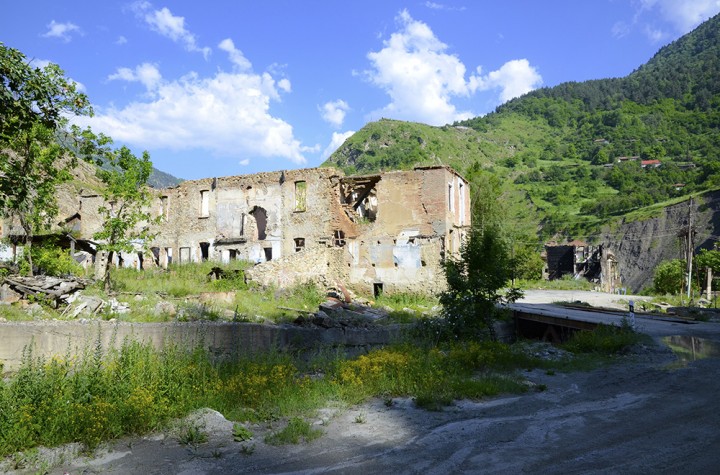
{"x": 57, "y": 289}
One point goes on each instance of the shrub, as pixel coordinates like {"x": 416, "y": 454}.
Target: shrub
{"x": 604, "y": 340}
{"x": 50, "y": 259}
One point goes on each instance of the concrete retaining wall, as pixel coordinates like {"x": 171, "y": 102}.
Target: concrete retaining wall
{"x": 223, "y": 339}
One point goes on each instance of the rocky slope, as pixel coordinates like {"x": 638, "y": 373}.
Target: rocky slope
{"x": 641, "y": 244}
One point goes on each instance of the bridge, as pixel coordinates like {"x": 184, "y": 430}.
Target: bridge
{"x": 556, "y": 323}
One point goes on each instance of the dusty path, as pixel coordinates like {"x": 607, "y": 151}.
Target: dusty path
{"x": 644, "y": 415}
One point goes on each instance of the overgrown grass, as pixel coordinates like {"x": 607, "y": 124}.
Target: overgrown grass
{"x": 406, "y": 307}
{"x": 604, "y": 340}
{"x": 136, "y": 388}
{"x": 180, "y": 280}
{"x": 296, "y": 430}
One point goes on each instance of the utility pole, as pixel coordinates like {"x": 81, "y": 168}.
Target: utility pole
{"x": 689, "y": 248}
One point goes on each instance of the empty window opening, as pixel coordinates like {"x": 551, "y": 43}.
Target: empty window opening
{"x": 268, "y": 253}
{"x": 205, "y": 250}
{"x": 461, "y": 201}
{"x": 299, "y": 244}
{"x": 339, "y": 238}
{"x": 184, "y": 255}
{"x": 300, "y": 196}
{"x": 168, "y": 253}
{"x": 260, "y": 216}
{"x": 140, "y": 260}
{"x": 164, "y": 210}
{"x": 233, "y": 254}
{"x": 451, "y": 201}
{"x": 377, "y": 289}
{"x": 204, "y": 203}
{"x": 121, "y": 261}
{"x": 156, "y": 255}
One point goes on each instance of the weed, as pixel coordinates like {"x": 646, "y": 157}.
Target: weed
{"x": 192, "y": 434}
{"x": 241, "y": 433}
{"x": 297, "y": 429}
{"x": 360, "y": 419}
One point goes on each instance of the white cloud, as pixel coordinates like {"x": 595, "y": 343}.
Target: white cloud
{"x": 338, "y": 138}
{"x": 334, "y": 112}
{"x": 227, "y": 114}
{"x": 146, "y": 73}
{"x": 284, "y": 85}
{"x": 164, "y": 22}
{"x": 514, "y": 78}
{"x": 121, "y": 40}
{"x": 681, "y": 15}
{"x": 684, "y": 15}
{"x": 244, "y": 162}
{"x": 421, "y": 78}
{"x": 654, "y": 35}
{"x": 236, "y": 56}
{"x": 620, "y": 29}
{"x": 442, "y": 6}
{"x": 61, "y": 30}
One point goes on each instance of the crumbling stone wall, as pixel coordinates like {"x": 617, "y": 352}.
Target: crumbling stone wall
{"x": 386, "y": 232}
{"x": 259, "y": 217}
{"x": 416, "y": 222}
{"x": 320, "y": 265}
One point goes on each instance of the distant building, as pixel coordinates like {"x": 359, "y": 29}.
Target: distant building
{"x": 596, "y": 264}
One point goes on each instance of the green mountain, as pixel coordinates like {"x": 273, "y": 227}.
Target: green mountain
{"x": 160, "y": 179}
{"x": 569, "y": 158}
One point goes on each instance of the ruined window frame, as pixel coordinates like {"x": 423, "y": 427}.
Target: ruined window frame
{"x": 339, "y": 238}
{"x": 300, "y": 196}
{"x": 204, "y": 203}
{"x": 164, "y": 208}
{"x": 299, "y": 244}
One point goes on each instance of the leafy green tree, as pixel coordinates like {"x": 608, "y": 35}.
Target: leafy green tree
{"x": 126, "y": 219}
{"x": 37, "y": 149}
{"x": 669, "y": 277}
{"x": 527, "y": 263}
{"x": 475, "y": 279}
{"x": 710, "y": 261}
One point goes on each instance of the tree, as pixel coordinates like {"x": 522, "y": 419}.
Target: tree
{"x": 37, "y": 149}
{"x": 710, "y": 261}
{"x": 669, "y": 277}
{"x": 126, "y": 219}
{"x": 474, "y": 280}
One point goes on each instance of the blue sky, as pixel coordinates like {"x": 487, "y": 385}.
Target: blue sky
{"x": 232, "y": 87}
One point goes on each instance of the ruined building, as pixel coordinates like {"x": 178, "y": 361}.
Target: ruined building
{"x": 382, "y": 232}
{"x": 596, "y": 264}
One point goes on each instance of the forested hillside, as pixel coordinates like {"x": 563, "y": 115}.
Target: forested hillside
{"x": 570, "y": 157}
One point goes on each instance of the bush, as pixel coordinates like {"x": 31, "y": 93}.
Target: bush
{"x": 669, "y": 277}
{"x": 604, "y": 340}
{"x": 50, "y": 259}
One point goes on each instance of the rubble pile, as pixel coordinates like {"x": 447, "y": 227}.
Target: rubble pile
{"x": 54, "y": 289}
